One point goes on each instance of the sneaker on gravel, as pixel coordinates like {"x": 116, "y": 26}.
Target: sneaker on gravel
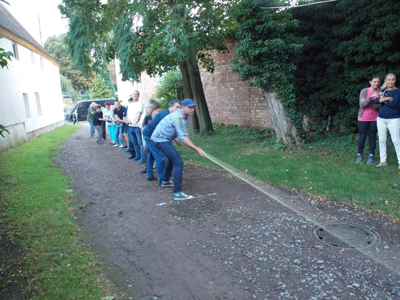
{"x": 123, "y": 147}
{"x": 143, "y": 171}
{"x": 359, "y": 158}
{"x": 116, "y": 145}
{"x": 182, "y": 196}
{"x": 167, "y": 183}
{"x": 370, "y": 160}
{"x": 152, "y": 178}
{"x": 382, "y": 164}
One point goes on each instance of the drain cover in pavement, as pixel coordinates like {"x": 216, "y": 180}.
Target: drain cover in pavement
{"x": 195, "y": 208}
{"x": 346, "y": 235}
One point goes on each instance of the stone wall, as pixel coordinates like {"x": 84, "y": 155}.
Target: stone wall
{"x": 230, "y": 100}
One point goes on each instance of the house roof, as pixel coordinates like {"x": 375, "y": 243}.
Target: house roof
{"x": 13, "y": 30}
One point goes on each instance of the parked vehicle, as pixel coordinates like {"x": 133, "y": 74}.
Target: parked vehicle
{"x": 83, "y": 106}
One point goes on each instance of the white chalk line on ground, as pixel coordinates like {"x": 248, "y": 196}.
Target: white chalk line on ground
{"x": 392, "y": 265}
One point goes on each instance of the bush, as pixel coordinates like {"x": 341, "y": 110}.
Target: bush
{"x": 169, "y": 88}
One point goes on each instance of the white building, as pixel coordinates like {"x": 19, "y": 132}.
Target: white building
{"x": 30, "y": 90}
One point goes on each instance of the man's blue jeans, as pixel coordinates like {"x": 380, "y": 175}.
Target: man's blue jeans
{"x": 163, "y": 165}
{"x": 135, "y": 135}
{"x": 91, "y": 128}
{"x": 170, "y": 152}
{"x": 118, "y": 135}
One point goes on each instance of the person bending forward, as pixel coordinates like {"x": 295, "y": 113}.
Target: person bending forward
{"x": 175, "y": 127}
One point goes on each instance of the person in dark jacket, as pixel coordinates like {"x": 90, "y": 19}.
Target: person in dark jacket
{"x": 389, "y": 118}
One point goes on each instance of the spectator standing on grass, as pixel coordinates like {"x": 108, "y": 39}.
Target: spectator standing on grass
{"x": 97, "y": 120}
{"x": 154, "y": 154}
{"x": 172, "y": 127}
{"x": 119, "y": 116}
{"x": 367, "y": 115}
{"x": 90, "y": 115}
{"x": 389, "y": 118}
{"x": 108, "y": 114}
{"x": 135, "y": 110}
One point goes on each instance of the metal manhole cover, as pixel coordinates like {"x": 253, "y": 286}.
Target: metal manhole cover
{"x": 195, "y": 208}
{"x": 346, "y": 235}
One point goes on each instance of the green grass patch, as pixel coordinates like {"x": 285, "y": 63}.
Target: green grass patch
{"x": 45, "y": 258}
{"x": 324, "y": 167}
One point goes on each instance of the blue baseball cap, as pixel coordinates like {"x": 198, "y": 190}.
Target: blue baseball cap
{"x": 188, "y": 102}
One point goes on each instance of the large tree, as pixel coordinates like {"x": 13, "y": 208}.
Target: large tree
{"x": 152, "y": 36}
{"x": 57, "y": 48}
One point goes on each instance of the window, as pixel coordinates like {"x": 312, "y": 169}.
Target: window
{"x": 33, "y": 58}
{"x": 39, "y": 107}
{"x": 15, "y": 51}
{"x": 27, "y": 109}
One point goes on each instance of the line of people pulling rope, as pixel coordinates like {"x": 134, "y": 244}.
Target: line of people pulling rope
{"x": 149, "y": 141}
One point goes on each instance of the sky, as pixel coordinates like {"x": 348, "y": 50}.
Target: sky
{"x": 28, "y": 12}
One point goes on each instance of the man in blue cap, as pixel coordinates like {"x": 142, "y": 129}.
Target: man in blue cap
{"x": 176, "y": 126}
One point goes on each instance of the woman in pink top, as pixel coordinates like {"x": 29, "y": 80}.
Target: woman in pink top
{"x": 367, "y": 115}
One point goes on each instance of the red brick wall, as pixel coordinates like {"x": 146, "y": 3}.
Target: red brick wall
{"x": 230, "y": 100}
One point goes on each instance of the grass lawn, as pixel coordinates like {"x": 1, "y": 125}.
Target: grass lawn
{"x": 42, "y": 256}
{"x": 324, "y": 167}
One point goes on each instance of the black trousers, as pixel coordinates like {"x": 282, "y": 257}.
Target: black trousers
{"x": 363, "y": 129}
{"x": 103, "y": 128}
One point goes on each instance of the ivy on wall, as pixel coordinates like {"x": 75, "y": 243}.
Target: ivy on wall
{"x": 346, "y": 42}
{"x": 265, "y": 55}
{"x": 317, "y": 58}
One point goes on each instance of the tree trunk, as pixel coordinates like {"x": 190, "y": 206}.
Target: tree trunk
{"x": 284, "y": 128}
{"x": 187, "y": 94}
{"x": 196, "y": 85}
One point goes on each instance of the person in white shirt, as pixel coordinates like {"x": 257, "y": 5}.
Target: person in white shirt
{"x": 135, "y": 111}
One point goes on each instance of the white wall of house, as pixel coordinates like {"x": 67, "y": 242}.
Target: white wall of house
{"x": 125, "y": 88}
{"x": 30, "y": 95}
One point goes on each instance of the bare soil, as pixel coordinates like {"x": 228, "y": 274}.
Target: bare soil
{"x": 229, "y": 242}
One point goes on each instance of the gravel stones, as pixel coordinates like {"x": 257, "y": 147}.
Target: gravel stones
{"x": 195, "y": 208}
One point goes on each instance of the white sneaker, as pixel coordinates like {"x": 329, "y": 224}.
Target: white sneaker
{"x": 116, "y": 145}
{"x": 182, "y": 196}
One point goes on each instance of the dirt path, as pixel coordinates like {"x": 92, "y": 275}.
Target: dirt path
{"x": 238, "y": 243}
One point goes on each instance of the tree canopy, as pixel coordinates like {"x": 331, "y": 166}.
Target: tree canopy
{"x": 151, "y": 36}
{"x": 57, "y": 48}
